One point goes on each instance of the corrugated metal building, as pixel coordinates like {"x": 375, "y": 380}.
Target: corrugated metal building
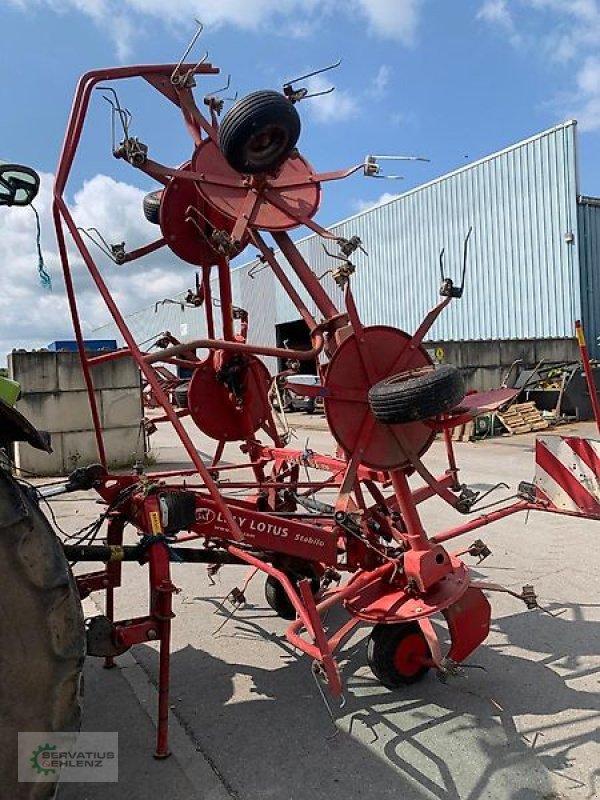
{"x": 530, "y": 273}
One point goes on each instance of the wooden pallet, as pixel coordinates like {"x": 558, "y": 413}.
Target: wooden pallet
{"x": 522, "y": 418}
{"x": 463, "y": 433}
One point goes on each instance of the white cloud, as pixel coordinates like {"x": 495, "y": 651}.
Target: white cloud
{"x": 392, "y": 19}
{"x": 406, "y": 118}
{"x": 497, "y": 13}
{"x": 124, "y": 20}
{"x": 364, "y": 205}
{"x": 337, "y": 106}
{"x": 32, "y": 316}
{"x": 381, "y": 80}
{"x": 559, "y": 28}
{"x": 587, "y": 104}
{"x": 562, "y": 32}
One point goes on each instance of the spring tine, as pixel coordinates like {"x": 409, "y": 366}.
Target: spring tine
{"x": 315, "y": 674}
{"x": 442, "y": 251}
{"x": 373, "y": 169}
{"x": 319, "y": 94}
{"x": 195, "y": 37}
{"x": 465, "y": 255}
{"x": 101, "y": 245}
{"x": 402, "y": 158}
{"x": 312, "y": 74}
{"x": 223, "y": 89}
{"x": 225, "y": 621}
{"x": 202, "y": 60}
{"x": 123, "y": 114}
{"x": 256, "y": 268}
{"x": 102, "y": 239}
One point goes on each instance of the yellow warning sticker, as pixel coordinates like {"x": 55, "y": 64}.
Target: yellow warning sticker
{"x": 155, "y": 522}
{"x": 580, "y": 337}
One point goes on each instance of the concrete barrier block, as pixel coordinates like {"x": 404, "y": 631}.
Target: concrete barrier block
{"x": 121, "y": 373}
{"x": 79, "y": 449}
{"x": 39, "y": 462}
{"x": 124, "y": 446}
{"x": 59, "y": 412}
{"x": 121, "y": 408}
{"x": 70, "y": 374}
{"x": 36, "y": 372}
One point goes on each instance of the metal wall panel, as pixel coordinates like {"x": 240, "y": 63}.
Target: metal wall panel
{"x": 523, "y": 276}
{"x": 589, "y": 249}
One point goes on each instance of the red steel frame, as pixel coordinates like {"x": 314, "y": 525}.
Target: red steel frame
{"x": 396, "y": 571}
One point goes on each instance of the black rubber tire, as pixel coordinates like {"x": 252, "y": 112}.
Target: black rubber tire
{"x": 259, "y": 132}
{"x": 277, "y": 598}
{"x": 151, "y": 206}
{"x": 382, "y": 648}
{"x": 417, "y": 394}
{"x": 180, "y": 396}
{"x": 42, "y": 636}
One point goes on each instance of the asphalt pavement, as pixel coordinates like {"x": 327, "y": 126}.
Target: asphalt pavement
{"x": 249, "y": 722}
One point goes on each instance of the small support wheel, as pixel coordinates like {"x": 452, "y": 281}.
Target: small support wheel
{"x": 151, "y": 206}
{"x": 395, "y": 653}
{"x": 417, "y": 394}
{"x": 276, "y": 596}
{"x": 259, "y": 132}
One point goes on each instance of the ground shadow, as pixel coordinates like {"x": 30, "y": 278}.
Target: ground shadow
{"x": 274, "y": 739}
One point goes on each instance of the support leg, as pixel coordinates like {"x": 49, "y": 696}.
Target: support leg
{"x": 114, "y": 536}
{"x": 161, "y": 611}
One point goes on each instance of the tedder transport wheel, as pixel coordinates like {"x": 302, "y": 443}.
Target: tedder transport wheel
{"x": 42, "y": 636}
{"x": 394, "y": 653}
{"x": 259, "y": 132}
{"x": 277, "y": 598}
{"x": 151, "y": 206}
{"x": 417, "y": 394}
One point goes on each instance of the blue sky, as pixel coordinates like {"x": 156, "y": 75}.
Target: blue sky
{"x": 452, "y": 80}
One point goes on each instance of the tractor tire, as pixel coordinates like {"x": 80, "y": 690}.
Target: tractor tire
{"x": 393, "y": 653}
{"x": 259, "y": 132}
{"x": 151, "y": 206}
{"x": 42, "y": 636}
{"x": 277, "y": 598}
{"x": 417, "y": 394}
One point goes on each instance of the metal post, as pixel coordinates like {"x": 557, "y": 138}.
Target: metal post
{"x": 210, "y": 322}
{"x": 226, "y": 299}
{"x": 414, "y": 528}
{"x": 114, "y": 536}
{"x": 161, "y": 611}
{"x": 585, "y": 358}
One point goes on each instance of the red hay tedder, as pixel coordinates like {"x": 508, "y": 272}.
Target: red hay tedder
{"x": 385, "y": 402}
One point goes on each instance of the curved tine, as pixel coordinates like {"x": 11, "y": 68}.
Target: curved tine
{"x": 100, "y": 236}
{"x": 315, "y": 72}
{"x": 104, "y": 249}
{"x": 465, "y": 256}
{"x": 223, "y": 88}
{"x": 319, "y": 94}
{"x": 193, "y": 41}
